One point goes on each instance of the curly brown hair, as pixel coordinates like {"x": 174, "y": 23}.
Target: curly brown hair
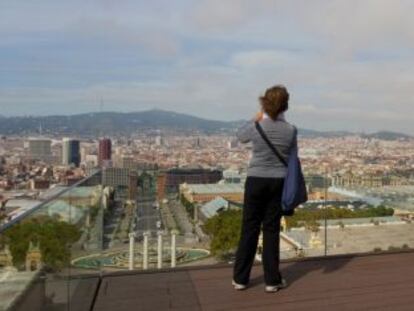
{"x": 275, "y": 101}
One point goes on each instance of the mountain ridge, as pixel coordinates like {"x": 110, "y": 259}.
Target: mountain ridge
{"x": 110, "y": 122}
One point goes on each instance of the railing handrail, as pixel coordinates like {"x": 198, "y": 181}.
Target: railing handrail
{"x": 17, "y": 219}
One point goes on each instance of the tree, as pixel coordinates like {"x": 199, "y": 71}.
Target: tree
{"x": 302, "y": 216}
{"x": 189, "y": 207}
{"x": 224, "y": 230}
{"x": 54, "y": 237}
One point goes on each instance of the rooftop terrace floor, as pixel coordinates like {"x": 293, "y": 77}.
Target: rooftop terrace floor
{"x": 372, "y": 282}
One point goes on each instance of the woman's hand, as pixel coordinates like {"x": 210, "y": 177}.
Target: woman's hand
{"x": 259, "y": 116}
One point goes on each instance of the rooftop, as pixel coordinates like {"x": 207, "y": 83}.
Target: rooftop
{"x": 84, "y": 191}
{"x": 363, "y": 220}
{"x": 215, "y": 188}
{"x": 210, "y": 209}
{"x": 351, "y": 282}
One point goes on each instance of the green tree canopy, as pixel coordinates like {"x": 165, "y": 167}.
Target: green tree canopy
{"x": 224, "y": 230}
{"x": 54, "y": 238}
{"x": 309, "y": 215}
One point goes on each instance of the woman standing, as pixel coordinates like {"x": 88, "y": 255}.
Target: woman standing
{"x": 263, "y": 190}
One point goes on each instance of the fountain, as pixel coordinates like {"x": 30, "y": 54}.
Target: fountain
{"x": 120, "y": 259}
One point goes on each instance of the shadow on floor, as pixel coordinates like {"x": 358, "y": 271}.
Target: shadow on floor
{"x": 299, "y": 269}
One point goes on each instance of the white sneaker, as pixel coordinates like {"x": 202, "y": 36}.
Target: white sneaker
{"x": 271, "y": 289}
{"x": 238, "y": 286}
{"x": 275, "y": 288}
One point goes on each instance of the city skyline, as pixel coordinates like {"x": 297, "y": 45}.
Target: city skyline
{"x": 212, "y": 59}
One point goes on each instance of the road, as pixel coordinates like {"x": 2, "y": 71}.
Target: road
{"x": 147, "y": 216}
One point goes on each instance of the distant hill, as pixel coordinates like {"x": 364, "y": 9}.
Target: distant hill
{"x": 385, "y": 135}
{"x": 313, "y": 133}
{"x": 117, "y": 123}
{"x": 382, "y": 135}
{"x": 111, "y": 123}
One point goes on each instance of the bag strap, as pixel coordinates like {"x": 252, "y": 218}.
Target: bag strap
{"x": 271, "y": 146}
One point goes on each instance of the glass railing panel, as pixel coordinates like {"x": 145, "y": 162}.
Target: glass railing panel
{"x": 36, "y": 250}
{"x": 361, "y": 194}
{"x": 89, "y": 201}
{"x": 89, "y": 204}
{"x": 38, "y": 244}
{"x": 380, "y": 220}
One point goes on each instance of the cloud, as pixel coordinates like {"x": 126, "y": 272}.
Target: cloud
{"x": 347, "y": 63}
{"x": 341, "y": 28}
{"x": 127, "y": 24}
{"x": 359, "y": 23}
{"x": 263, "y": 58}
{"x": 218, "y": 16}
{"x": 115, "y": 32}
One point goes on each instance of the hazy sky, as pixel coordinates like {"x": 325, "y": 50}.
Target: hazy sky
{"x": 349, "y": 64}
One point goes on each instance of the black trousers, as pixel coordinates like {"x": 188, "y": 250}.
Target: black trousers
{"x": 262, "y": 207}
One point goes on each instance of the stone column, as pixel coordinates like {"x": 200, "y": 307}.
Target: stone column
{"x": 145, "y": 251}
{"x": 131, "y": 250}
{"x": 159, "y": 244}
{"x": 173, "y": 248}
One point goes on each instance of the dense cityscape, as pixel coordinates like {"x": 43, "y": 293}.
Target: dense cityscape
{"x": 159, "y": 199}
